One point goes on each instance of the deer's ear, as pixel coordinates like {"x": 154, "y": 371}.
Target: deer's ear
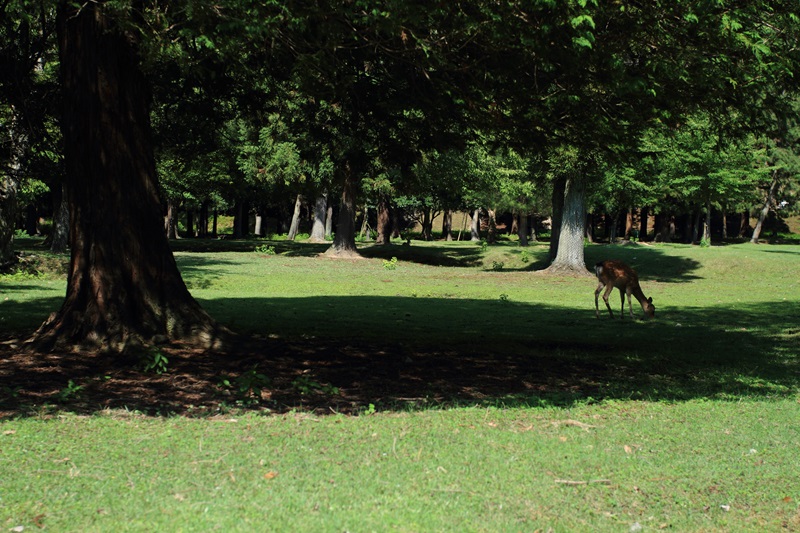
{"x": 650, "y": 300}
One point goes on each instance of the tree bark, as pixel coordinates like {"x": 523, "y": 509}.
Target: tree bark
{"x": 569, "y": 255}
{"x": 491, "y": 236}
{"x": 384, "y": 227}
{"x": 522, "y": 229}
{"x": 344, "y": 243}
{"x": 124, "y": 289}
{"x": 318, "y": 228}
{"x": 768, "y": 201}
{"x": 447, "y": 225}
{"x": 295, "y": 225}
{"x": 475, "y": 228}
{"x": 559, "y": 190}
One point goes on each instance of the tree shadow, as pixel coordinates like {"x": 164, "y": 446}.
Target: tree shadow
{"x": 398, "y": 354}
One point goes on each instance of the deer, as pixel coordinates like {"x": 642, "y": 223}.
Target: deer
{"x": 617, "y": 274}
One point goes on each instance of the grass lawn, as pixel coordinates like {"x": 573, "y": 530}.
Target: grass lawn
{"x": 454, "y": 389}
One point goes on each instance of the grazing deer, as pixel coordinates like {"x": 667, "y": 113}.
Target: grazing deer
{"x": 617, "y": 274}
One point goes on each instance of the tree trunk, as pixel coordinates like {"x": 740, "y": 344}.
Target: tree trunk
{"x": 294, "y": 227}
{"x": 522, "y": 229}
{"x": 569, "y": 256}
{"x": 124, "y": 289}
{"x": 8, "y": 217}
{"x": 171, "y": 221}
{"x": 491, "y": 236}
{"x": 447, "y": 225}
{"x": 190, "y": 222}
{"x": 9, "y": 188}
{"x": 202, "y": 220}
{"x": 364, "y": 233}
{"x": 707, "y": 224}
{"x": 559, "y": 190}
{"x": 475, "y": 228}
{"x": 214, "y": 224}
{"x": 318, "y": 228}
{"x": 59, "y": 238}
{"x": 344, "y": 243}
{"x": 384, "y": 229}
{"x": 589, "y": 232}
{"x": 628, "y": 223}
{"x": 768, "y": 201}
{"x": 329, "y": 222}
{"x": 644, "y": 216}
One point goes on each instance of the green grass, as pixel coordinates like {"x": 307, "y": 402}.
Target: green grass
{"x": 686, "y": 423}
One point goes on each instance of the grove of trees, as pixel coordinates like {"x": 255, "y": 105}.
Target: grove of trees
{"x": 119, "y": 114}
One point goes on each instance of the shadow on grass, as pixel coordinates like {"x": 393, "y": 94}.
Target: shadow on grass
{"x": 341, "y": 354}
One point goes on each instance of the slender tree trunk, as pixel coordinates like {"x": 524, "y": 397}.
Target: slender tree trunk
{"x": 427, "y": 224}
{"x": 628, "y": 223}
{"x": 344, "y": 243}
{"x": 707, "y": 224}
{"x": 202, "y": 220}
{"x": 259, "y": 229}
{"x": 589, "y": 233}
{"x": 475, "y": 228}
{"x": 329, "y": 222}
{"x": 294, "y": 227}
{"x": 768, "y": 201}
{"x": 569, "y": 257}
{"x": 384, "y": 229}
{"x": 214, "y": 224}
{"x": 724, "y": 225}
{"x": 124, "y": 289}
{"x": 318, "y": 227}
{"x": 364, "y": 233}
{"x": 698, "y": 215}
{"x": 644, "y": 221}
{"x": 190, "y": 222}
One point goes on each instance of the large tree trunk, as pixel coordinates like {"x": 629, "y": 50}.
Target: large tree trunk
{"x": 344, "y": 243}
{"x": 124, "y": 289}
{"x": 569, "y": 255}
{"x": 447, "y": 225}
{"x": 768, "y": 201}
{"x": 295, "y": 225}
{"x": 318, "y": 228}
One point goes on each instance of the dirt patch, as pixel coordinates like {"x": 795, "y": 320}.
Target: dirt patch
{"x": 275, "y": 375}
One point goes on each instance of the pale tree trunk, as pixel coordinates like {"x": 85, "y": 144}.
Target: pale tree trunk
{"x": 294, "y": 227}
{"x": 768, "y": 202}
{"x": 569, "y": 256}
{"x": 124, "y": 289}
{"x": 475, "y": 228}
{"x": 628, "y": 223}
{"x": 329, "y": 223}
{"x": 364, "y": 233}
{"x": 318, "y": 228}
{"x": 344, "y": 243}
{"x": 259, "y": 229}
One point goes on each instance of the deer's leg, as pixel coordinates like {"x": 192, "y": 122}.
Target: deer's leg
{"x": 622, "y": 300}
{"x": 609, "y": 288}
{"x": 630, "y": 305}
{"x": 596, "y": 298}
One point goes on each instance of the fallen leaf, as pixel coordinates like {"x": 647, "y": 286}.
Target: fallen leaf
{"x": 725, "y": 507}
{"x": 9, "y": 432}
{"x": 38, "y": 521}
{"x": 270, "y": 475}
{"x": 628, "y": 449}
{"x": 787, "y": 499}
